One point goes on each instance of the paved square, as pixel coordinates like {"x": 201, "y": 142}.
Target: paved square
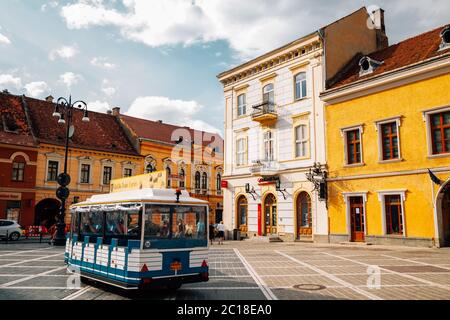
{"x": 252, "y": 270}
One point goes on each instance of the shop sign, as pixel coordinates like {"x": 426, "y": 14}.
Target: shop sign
{"x": 10, "y": 196}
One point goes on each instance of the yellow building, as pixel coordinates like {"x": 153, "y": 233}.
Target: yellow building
{"x": 99, "y": 151}
{"x": 387, "y": 123}
{"x": 192, "y": 159}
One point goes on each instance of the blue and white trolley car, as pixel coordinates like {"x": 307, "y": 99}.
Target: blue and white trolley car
{"x": 140, "y": 238}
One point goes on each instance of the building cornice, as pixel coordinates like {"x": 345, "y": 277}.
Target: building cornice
{"x": 422, "y": 70}
{"x": 300, "y": 48}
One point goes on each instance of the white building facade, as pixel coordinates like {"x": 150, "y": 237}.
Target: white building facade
{"x": 275, "y": 133}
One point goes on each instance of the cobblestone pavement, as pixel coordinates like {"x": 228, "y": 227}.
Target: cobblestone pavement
{"x": 252, "y": 270}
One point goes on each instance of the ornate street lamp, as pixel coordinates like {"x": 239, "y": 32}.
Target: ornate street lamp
{"x": 318, "y": 178}
{"x": 64, "y": 112}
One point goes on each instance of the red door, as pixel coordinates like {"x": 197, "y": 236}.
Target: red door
{"x": 357, "y": 219}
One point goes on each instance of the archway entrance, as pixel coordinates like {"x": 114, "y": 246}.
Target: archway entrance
{"x": 45, "y": 212}
{"x": 270, "y": 214}
{"x": 304, "y": 217}
{"x": 242, "y": 213}
{"x": 443, "y": 205}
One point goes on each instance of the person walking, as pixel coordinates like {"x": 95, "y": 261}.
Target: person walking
{"x": 221, "y": 232}
{"x": 212, "y": 231}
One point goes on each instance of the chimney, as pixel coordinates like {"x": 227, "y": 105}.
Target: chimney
{"x": 116, "y": 111}
{"x": 49, "y": 99}
{"x": 160, "y": 121}
{"x": 378, "y": 21}
{"x": 108, "y": 111}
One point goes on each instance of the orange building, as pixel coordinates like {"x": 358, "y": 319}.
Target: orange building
{"x": 99, "y": 151}
{"x": 192, "y": 159}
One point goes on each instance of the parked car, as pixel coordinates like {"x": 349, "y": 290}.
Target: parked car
{"x": 10, "y": 229}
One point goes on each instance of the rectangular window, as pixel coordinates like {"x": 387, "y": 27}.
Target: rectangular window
{"x": 240, "y": 154}
{"x": 353, "y": 138}
{"x": 393, "y": 209}
{"x": 241, "y": 108}
{"x": 268, "y": 146}
{"x": 127, "y": 172}
{"x": 389, "y": 140}
{"x": 85, "y": 173}
{"x": 107, "y": 175}
{"x": 18, "y": 171}
{"x": 301, "y": 141}
{"x": 52, "y": 173}
{"x": 300, "y": 86}
{"x": 174, "y": 222}
{"x": 440, "y": 132}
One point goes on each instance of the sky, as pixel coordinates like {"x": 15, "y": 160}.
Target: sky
{"x": 158, "y": 59}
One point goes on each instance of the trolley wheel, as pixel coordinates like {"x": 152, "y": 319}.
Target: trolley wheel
{"x": 14, "y": 236}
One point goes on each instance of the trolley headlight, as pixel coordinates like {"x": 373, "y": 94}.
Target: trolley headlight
{"x": 147, "y": 244}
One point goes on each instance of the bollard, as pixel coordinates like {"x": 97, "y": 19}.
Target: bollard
{"x": 40, "y": 237}
{"x": 7, "y": 236}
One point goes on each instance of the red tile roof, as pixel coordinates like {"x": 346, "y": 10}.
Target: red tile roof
{"x": 11, "y": 111}
{"x": 103, "y": 132}
{"x": 162, "y": 132}
{"x": 405, "y": 53}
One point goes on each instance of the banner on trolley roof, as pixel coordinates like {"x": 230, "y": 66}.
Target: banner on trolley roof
{"x": 156, "y": 180}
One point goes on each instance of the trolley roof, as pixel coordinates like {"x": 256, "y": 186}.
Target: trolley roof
{"x": 141, "y": 195}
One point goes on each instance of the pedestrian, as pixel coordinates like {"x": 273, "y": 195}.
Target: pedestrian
{"x": 212, "y": 231}
{"x": 221, "y": 232}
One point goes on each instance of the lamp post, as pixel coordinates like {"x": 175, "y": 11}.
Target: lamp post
{"x": 64, "y": 112}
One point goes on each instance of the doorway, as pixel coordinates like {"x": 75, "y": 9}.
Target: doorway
{"x": 304, "y": 220}
{"x": 270, "y": 215}
{"x": 445, "y": 214}
{"x": 357, "y": 224}
{"x": 46, "y": 211}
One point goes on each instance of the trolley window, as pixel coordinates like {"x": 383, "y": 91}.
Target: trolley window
{"x": 175, "y": 222}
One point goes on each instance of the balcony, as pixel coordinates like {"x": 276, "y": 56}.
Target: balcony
{"x": 264, "y": 168}
{"x": 264, "y": 113}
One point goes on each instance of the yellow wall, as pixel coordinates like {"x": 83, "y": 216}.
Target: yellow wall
{"x": 407, "y": 101}
{"x": 46, "y": 189}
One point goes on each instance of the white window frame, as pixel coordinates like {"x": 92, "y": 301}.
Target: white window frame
{"x": 381, "y": 198}
{"x": 347, "y": 196}
{"x": 89, "y": 162}
{"x": 128, "y": 165}
{"x": 305, "y": 140}
{"x": 272, "y": 139}
{"x": 52, "y": 157}
{"x": 303, "y": 95}
{"x": 344, "y": 131}
{"x": 378, "y": 125}
{"x": 242, "y": 152}
{"x": 107, "y": 163}
{"x": 426, "y": 118}
{"x": 242, "y": 108}
{"x": 268, "y": 92}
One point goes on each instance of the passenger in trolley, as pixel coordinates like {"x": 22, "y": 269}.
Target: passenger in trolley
{"x": 141, "y": 238}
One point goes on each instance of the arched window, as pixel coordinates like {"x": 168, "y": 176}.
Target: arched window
{"x": 268, "y": 94}
{"x": 205, "y": 181}
{"x": 268, "y": 146}
{"x": 151, "y": 165}
{"x": 182, "y": 178}
{"x": 197, "y": 182}
{"x": 169, "y": 181}
{"x": 219, "y": 183}
{"x": 242, "y": 212}
{"x": 300, "y": 85}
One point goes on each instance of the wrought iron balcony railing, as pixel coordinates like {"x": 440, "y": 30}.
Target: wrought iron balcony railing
{"x": 262, "y": 109}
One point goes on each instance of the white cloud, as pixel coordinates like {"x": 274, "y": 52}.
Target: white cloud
{"x": 250, "y": 27}
{"x": 37, "y": 89}
{"x": 177, "y": 112}
{"x": 8, "y": 80}
{"x": 99, "y": 106}
{"x": 51, "y": 4}
{"x": 107, "y": 88}
{"x": 102, "y": 62}
{"x": 70, "y": 79}
{"x": 64, "y": 52}
{"x": 4, "y": 39}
